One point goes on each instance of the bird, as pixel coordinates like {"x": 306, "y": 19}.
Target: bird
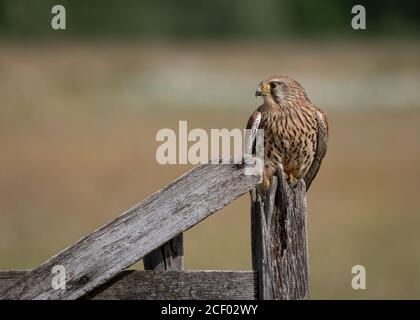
{"x": 295, "y": 131}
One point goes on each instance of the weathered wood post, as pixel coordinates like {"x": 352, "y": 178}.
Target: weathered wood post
{"x": 279, "y": 240}
{"x": 170, "y": 256}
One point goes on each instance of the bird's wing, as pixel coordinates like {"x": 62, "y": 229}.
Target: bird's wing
{"x": 253, "y": 125}
{"x": 321, "y": 149}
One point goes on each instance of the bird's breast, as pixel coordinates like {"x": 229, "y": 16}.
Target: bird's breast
{"x": 290, "y": 140}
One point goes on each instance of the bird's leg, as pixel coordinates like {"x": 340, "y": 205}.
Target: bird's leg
{"x": 265, "y": 184}
{"x": 290, "y": 177}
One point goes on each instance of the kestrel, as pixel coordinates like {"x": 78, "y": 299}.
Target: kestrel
{"x": 295, "y": 131}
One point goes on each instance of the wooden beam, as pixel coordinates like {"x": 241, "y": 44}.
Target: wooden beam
{"x": 279, "y": 240}
{"x": 104, "y": 253}
{"x": 172, "y": 285}
{"x": 168, "y": 257}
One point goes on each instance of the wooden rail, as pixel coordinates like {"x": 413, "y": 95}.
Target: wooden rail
{"x": 174, "y": 285}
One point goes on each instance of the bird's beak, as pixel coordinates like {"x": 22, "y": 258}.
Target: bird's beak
{"x": 263, "y": 89}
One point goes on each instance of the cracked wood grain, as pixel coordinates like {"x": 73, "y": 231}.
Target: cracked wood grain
{"x": 167, "y": 285}
{"x": 279, "y": 240}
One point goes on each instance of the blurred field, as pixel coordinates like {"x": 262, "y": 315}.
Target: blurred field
{"x": 77, "y": 137}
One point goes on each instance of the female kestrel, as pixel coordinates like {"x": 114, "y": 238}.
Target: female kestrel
{"x": 295, "y": 131}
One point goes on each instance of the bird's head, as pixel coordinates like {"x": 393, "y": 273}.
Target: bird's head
{"x": 281, "y": 89}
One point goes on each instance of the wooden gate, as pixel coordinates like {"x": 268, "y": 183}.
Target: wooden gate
{"x": 152, "y": 230}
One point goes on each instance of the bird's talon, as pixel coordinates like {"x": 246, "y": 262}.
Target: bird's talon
{"x": 291, "y": 178}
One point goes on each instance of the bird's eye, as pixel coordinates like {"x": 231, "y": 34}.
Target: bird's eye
{"x": 273, "y": 85}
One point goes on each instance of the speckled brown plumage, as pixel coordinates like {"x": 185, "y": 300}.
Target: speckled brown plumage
{"x": 289, "y": 120}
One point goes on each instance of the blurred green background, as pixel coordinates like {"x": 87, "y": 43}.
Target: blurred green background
{"x": 80, "y": 109}
{"x": 200, "y": 19}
